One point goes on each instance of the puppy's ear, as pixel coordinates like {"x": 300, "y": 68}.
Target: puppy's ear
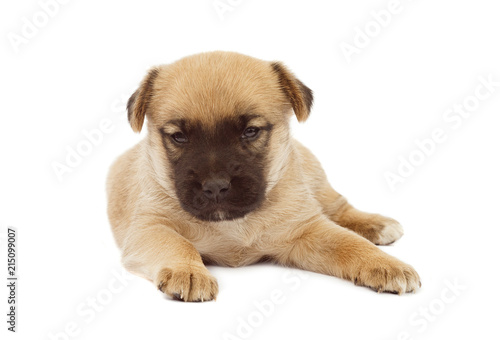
{"x": 138, "y": 104}
{"x": 300, "y": 96}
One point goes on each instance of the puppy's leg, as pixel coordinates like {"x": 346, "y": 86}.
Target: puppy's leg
{"x": 324, "y": 247}
{"x": 376, "y": 228}
{"x": 170, "y": 261}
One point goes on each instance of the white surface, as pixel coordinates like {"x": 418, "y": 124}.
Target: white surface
{"x": 80, "y": 69}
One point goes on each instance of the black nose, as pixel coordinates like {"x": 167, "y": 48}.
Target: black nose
{"x": 216, "y": 189}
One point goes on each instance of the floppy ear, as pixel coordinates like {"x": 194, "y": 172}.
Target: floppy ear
{"x": 138, "y": 103}
{"x": 301, "y": 97}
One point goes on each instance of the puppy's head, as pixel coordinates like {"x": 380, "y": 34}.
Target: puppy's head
{"x": 218, "y": 128}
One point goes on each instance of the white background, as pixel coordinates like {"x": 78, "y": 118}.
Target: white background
{"x": 81, "y": 67}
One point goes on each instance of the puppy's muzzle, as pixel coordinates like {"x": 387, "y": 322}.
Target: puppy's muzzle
{"x": 216, "y": 188}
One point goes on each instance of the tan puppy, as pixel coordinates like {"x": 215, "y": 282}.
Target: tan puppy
{"x": 218, "y": 179}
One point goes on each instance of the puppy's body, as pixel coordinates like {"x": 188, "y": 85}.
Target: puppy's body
{"x": 198, "y": 188}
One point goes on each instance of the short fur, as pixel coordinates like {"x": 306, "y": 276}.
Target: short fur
{"x": 279, "y": 205}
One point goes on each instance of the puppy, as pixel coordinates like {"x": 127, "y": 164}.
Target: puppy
{"x": 218, "y": 179}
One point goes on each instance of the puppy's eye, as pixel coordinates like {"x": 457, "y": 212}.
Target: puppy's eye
{"x": 179, "y": 137}
{"x": 250, "y": 132}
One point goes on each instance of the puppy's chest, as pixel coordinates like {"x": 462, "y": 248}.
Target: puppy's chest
{"x": 231, "y": 245}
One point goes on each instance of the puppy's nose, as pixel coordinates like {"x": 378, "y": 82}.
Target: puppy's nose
{"x": 216, "y": 188}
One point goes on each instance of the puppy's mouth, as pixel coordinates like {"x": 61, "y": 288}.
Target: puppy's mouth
{"x": 221, "y": 199}
{"x": 217, "y": 215}
{"x": 234, "y": 207}
{"x": 219, "y": 212}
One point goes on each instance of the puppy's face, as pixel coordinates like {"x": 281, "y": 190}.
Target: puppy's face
{"x": 218, "y": 129}
{"x": 219, "y": 170}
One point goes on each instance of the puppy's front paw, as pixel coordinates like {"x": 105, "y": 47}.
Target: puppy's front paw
{"x": 389, "y": 232}
{"x": 388, "y": 275}
{"x": 188, "y": 283}
{"x": 378, "y": 229}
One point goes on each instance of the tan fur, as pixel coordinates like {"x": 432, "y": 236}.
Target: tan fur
{"x": 303, "y": 222}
